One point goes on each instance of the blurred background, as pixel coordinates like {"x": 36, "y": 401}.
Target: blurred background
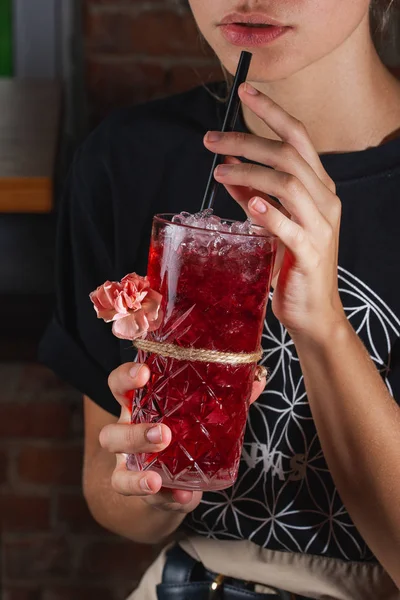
{"x": 65, "y": 64}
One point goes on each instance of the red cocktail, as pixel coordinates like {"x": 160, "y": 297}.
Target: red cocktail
{"x": 214, "y": 286}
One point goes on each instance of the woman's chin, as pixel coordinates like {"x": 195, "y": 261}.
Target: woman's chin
{"x": 264, "y": 69}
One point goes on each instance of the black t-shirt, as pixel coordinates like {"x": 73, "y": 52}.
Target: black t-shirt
{"x": 151, "y": 159}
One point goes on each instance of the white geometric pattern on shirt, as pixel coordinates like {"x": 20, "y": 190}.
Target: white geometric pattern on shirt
{"x": 284, "y": 497}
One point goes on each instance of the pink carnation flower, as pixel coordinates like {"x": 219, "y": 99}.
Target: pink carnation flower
{"x": 131, "y": 304}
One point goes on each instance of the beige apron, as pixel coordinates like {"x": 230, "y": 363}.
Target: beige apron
{"x": 312, "y": 576}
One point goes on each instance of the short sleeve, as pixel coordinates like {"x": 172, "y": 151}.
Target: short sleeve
{"x": 77, "y": 346}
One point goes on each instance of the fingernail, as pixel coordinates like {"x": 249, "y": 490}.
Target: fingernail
{"x": 223, "y": 169}
{"x": 154, "y": 435}
{"x": 135, "y": 370}
{"x": 144, "y": 485}
{"x": 258, "y": 205}
{"x": 213, "y": 136}
{"x": 249, "y": 89}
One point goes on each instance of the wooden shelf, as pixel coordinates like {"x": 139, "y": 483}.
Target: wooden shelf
{"x": 29, "y": 126}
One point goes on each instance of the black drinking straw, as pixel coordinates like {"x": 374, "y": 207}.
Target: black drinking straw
{"x": 228, "y": 125}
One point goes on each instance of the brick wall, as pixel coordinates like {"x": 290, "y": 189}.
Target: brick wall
{"x": 51, "y": 548}
{"x": 136, "y": 50}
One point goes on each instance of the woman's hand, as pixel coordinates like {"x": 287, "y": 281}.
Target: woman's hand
{"x": 306, "y": 298}
{"x": 124, "y": 438}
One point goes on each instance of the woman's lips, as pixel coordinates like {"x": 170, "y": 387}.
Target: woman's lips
{"x": 240, "y": 34}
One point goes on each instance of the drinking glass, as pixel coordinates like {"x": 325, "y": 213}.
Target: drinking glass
{"x": 214, "y": 286}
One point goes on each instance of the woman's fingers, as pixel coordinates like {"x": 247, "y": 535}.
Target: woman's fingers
{"x": 131, "y": 439}
{"x": 293, "y": 195}
{"x": 184, "y": 496}
{"x": 243, "y": 194}
{"x": 148, "y": 486}
{"x": 288, "y": 128}
{"x": 280, "y": 156}
{"x": 125, "y": 438}
{"x": 132, "y": 483}
{"x": 174, "y": 500}
{"x": 257, "y": 389}
{"x": 280, "y": 255}
{"x": 290, "y": 233}
{"x": 127, "y": 378}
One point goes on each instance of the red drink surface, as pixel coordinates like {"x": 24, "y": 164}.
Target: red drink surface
{"x": 215, "y": 288}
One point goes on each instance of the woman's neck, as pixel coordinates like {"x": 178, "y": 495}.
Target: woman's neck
{"x": 347, "y": 101}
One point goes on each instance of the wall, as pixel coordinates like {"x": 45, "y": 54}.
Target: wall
{"x": 45, "y": 33}
{"x": 141, "y": 49}
{"x": 51, "y": 548}
{"x": 35, "y": 39}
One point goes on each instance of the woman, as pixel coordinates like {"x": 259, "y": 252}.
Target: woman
{"x": 315, "y": 511}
